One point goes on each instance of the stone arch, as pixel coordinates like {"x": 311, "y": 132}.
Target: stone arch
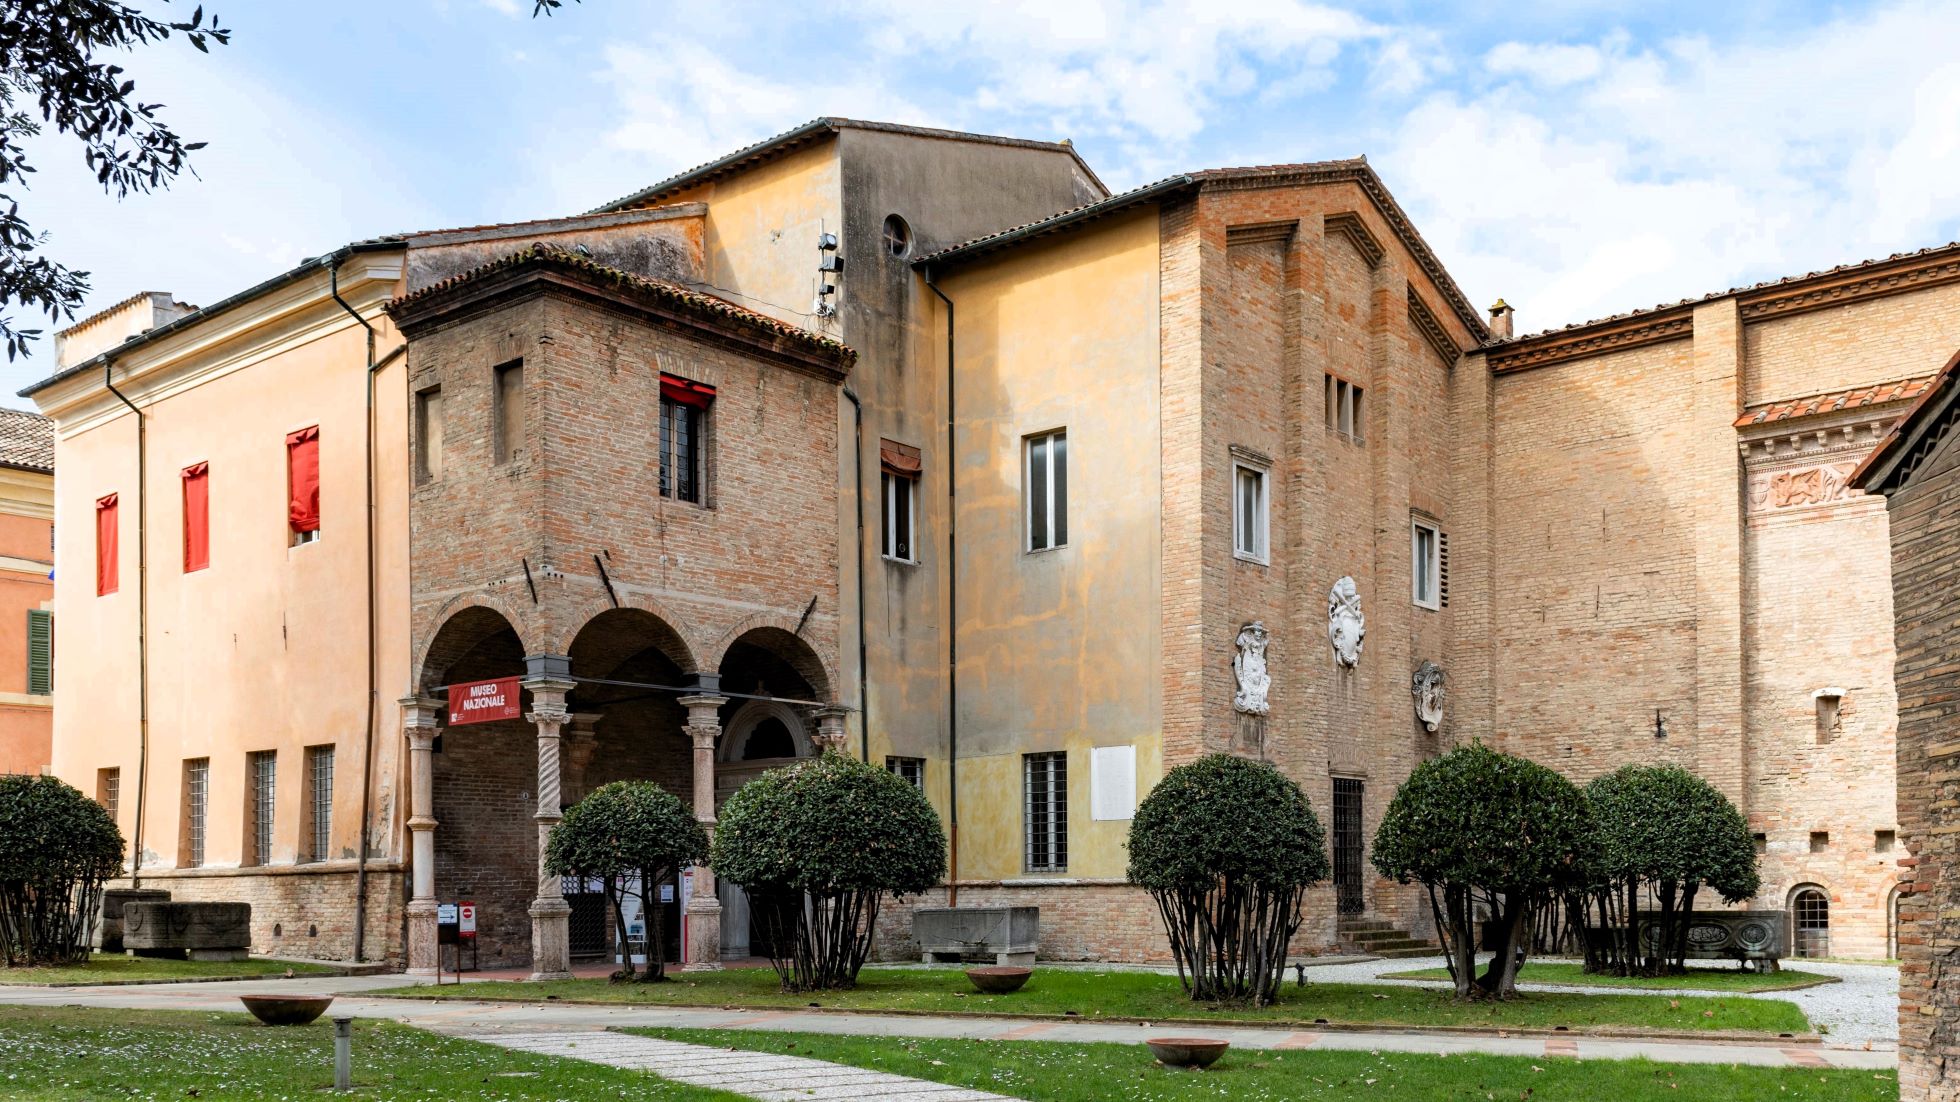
{"x": 611, "y": 636}
{"x": 475, "y": 630}
{"x": 750, "y": 715}
{"x": 675, "y": 639}
{"x": 776, "y": 636}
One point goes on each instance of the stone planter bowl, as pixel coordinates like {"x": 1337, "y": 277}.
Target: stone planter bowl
{"x": 1187, "y": 1052}
{"x": 1000, "y": 980}
{"x": 286, "y": 1009}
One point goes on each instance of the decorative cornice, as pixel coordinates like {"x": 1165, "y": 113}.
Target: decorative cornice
{"x": 1264, "y": 231}
{"x": 1913, "y": 274}
{"x": 1634, "y": 332}
{"x": 1349, "y": 225}
{"x": 1432, "y": 330}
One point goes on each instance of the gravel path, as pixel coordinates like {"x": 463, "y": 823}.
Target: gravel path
{"x": 1861, "y": 1011}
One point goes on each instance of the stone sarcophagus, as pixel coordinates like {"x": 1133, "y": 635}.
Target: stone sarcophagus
{"x": 1008, "y": 934}
{"x": 1718, "y": 935}
{"x": 109, "y": 931}
{"x": 199, "y": 931}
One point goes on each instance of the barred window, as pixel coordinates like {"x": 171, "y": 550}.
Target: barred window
{"x": 1047, "y": 812}
{"x": 261, "y": 771}
{"x": 913, "y": 770}
{"x": 108, "y": 791}
{"x": 197, "y": 790}
{"x": 319, "y": 787}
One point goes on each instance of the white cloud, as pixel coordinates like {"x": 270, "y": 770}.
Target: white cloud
{"x": 1669, "y": 171}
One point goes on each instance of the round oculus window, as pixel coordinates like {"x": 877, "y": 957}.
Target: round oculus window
{"x": 898, "y": 236}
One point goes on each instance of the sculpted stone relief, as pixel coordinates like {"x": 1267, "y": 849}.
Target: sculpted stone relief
{"x": 1345, "y": 625}
{"x": 1426, "y": 685}
{"x": 1809, "y": 486}
{"x": 1249, "y": 667}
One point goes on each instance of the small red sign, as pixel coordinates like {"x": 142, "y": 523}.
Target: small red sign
{"x": 483, "y": 701}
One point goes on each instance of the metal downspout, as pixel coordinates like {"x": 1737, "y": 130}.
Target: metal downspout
{"x": 864, "y": 676}
{"x": 367, "y": 744}
{"x": 142, "y": 623}
{"x": 952, "y": 624}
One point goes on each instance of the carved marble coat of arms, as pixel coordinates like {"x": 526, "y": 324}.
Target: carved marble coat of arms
{"x": 1345, "y": 624}
{"x": 1427, "y": 687}
{"x": 1249, "y": 667}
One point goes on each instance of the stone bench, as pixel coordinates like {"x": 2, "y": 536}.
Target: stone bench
{"x": 197, "y": 931}
{"x": 109, "y": 931}
{"x": 1008, "y": 934}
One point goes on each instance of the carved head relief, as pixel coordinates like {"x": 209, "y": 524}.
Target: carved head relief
{"x": 1426, "y": 685}
{"x": 1345, "y": 625}
{"x": 1249, "y": 667}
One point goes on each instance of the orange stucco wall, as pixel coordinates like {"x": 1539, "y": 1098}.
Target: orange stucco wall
{"x": 26, "y": 727}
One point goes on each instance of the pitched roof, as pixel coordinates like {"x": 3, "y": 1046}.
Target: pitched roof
{"x": 1879, "y": 394}
{"x": 1355, "y": 170}
{"x": 1768, "y": 286}
{"x": 665, "y": 292}
{"x": 26, "y": 441}
{"x": 1914, "y": 436}
{"x": 797, "y": 137}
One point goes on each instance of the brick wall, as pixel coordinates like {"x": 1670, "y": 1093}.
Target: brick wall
{"x": 302, "y": 911}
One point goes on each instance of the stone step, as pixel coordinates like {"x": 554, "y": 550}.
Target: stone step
{"x": 1400, "y": 945}
{"x": 1376, "y": 935}
{"x": 1405, "y": 954}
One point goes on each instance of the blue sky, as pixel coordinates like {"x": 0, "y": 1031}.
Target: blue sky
{"x": 1578, "y": 159}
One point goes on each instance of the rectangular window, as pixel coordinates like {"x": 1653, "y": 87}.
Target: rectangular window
{"x": 303, "y": 485}
{"x": 1884, "y": 841}
{"x": 509, "y": 411}
{"x": 197, "y": 517}
{"x": 901, "y": 500}
{"x": 1342, "y": 408}
{"x": 1045, "y": 476}
{"x": 1047, "y": 812}
{"x": 197, "y": 791}
{"x": 319, "y": 803}
{"x": 683, "y": 425}
{"x": 1426, "y": 564}
{"x": 428, "y": 435}
{"x": 1830, "y": 714}
{"x": 1249, "y": 512}
{"x": 913, "y": 770}
{"x": 105, "y": 545}
{"x": 1761, "y": 843}
{"x": 1820, "y": 841}
{"x": 40, "y": 651}
{"x": 261, "y": 772}
{"x": 108, "y": 791}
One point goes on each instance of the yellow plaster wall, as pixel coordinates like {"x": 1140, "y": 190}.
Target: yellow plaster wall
{"x": 265, "y": 649}
{"x": 1058, "y": 650}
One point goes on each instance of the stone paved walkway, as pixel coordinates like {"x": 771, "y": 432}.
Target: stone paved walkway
{"x": 758, "y": 1075}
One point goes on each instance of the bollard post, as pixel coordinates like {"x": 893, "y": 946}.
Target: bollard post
{"x": 343, "y": 1054}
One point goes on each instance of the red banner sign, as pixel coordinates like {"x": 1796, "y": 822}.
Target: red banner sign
{"x": 483, "y": 701}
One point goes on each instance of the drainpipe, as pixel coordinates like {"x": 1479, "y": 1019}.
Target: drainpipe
{"x": 367, "y": 743}
{"x": 952, "y": 625}
{"x": 142, "y": 623}
{"x": 864, "y": 676}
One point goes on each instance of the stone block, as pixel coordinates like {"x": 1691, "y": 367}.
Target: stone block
{"x": 201, "y": 931}
{"x": 1008, "y": 934}
{"x": 109, "y": 931}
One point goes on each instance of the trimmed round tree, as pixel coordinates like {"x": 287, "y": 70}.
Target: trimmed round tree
{"x": 1664, "y": 832}
{"x": 57, "y": 848}
{"x": 1228, "y": 847}
{"x": 632, "y": 836}
{"x": 1478, "y": 828}
{"x": 816, "y": 846}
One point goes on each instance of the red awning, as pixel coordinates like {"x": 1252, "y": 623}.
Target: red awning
{"x": 303, "y": 479}
{"x": 687, "y": 393}
{"x": 105, "y": 545}
{"x": 899, "y": 459}
{"x": 197, "y": 517}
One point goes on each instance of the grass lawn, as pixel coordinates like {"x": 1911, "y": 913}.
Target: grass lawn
{"x": 1696, "y": 979}
{"x": 1050, "y": 1072}
{"x": 75, "y": 1053}
{"x": 1155, "y": 997}
{"x": 118, "y": 969}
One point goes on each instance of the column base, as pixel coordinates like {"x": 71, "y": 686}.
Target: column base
{"x": 422, "y": 947}
{"x": 703, "y": 935}
{"x": 551, "y": 939}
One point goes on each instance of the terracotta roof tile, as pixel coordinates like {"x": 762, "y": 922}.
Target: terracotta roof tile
{"x": 666, "y": 290}
{"x": 26, "y": 441}
{"x": 1902, "y": 390}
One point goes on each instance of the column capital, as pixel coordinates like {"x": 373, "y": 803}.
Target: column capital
{"x": 702, "y": 700}
{"x": 830, "y": 727}
{"x": 548, "y": 701}
{"x": 420, "y": 711}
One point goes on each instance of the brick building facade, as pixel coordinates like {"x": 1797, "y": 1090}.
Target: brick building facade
{"x": 850, "y": 438}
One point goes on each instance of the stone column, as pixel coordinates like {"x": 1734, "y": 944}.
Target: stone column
{"x": 830, "y": 728}
{"x": 703, "y": 949}
{"x": 551, "y": 946}
{"x": 419, "y": 725}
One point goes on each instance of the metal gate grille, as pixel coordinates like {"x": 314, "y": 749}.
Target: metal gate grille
{"x": 586, "y": 928}
{"x": 1813, "y": 926}
{"x": 1347, "y": 846}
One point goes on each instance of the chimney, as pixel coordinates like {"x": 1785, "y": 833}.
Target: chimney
{"x": 1500, "y": 320}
